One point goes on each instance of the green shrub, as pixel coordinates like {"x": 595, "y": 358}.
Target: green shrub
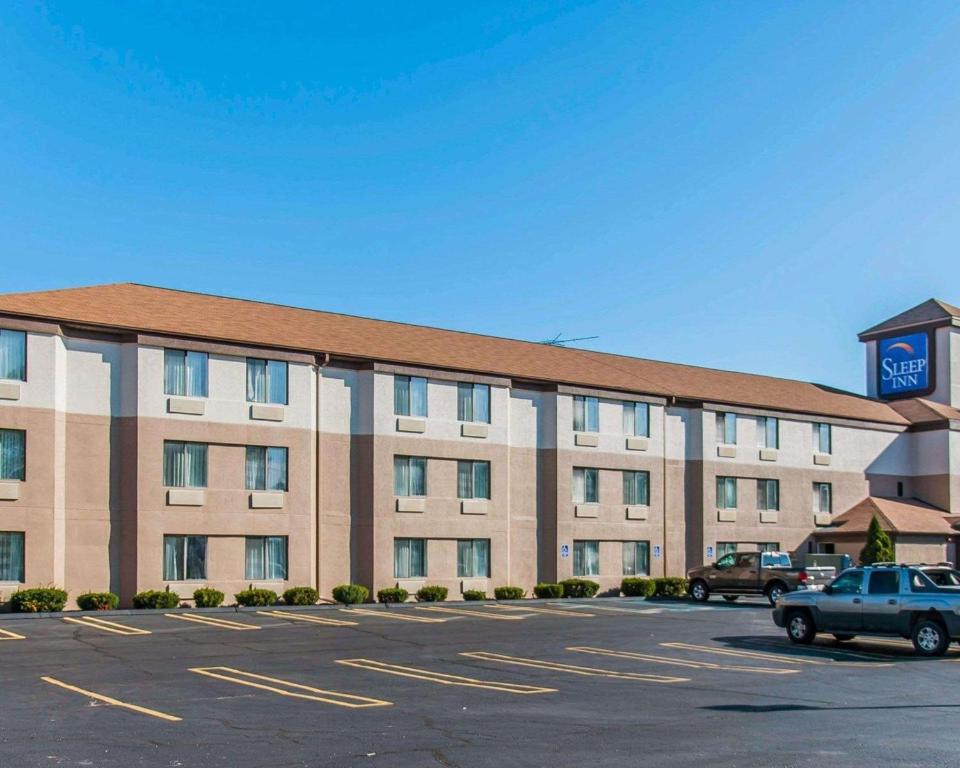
{"x": 351, "y": 593}
{"x": 256, "y": 597}
{"x": 474, "y": 594}
{"x": 508, "y": 593}
{"x": 671, "y": 586}
{"x": 207, "y": 598}
{"x": 579, "y": 588}
{"x": 546, "y": 590}
{"x": 38, "y": 600}
{"x": 879, "y": 547}
{"x": 431, "y": 593}
{"x": 97, "y": 601}
{"x": 301, "y": 596}
{"x": 155, "y": 598}
{"x": 638, "y": 587}
{"x": 393, "y": 595}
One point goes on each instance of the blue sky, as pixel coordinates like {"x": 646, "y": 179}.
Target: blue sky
{"x": 740, "y": 185}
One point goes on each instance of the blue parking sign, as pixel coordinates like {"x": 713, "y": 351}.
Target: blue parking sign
{"x": 656, "y": 550}
{"x": 709, "y": 551}
{"x": 564, "y": 551}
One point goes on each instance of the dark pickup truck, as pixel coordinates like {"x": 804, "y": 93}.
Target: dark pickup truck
{"x": 755, "y": 573}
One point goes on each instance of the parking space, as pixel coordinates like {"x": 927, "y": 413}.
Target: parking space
{"x": 455, "y": 685}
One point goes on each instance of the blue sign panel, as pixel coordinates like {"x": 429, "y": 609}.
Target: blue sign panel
{"x": 656, "y": 550}
{"x": 904, "y": 366}
{"x": 709, "y": 553}
{"x": 564, "y": 551}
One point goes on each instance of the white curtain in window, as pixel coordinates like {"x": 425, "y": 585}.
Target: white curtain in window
{"x": 579, "y": 415}
{"x": 473, "y": 558}
{"x": 481, "y": 479}
{"x": 823, "y": 496}
{"x": 401, "y": 558}
{"x": 586, "y": 558}
{"x": 196, "y": 374}
{"x": 401, "y": 395}
{"x": 464, "y": 402}
{"x": 276, "y": 382}
{"x": 254, "y": 568}
{"x": 636, "y": 419}
{"x": 11, "y": 556}
{"x": 481, "y": 403}
{"x": 276, "y": 475}
{"x": 196, "y": 557}
{"x": 12, "y": 454}
{"x": 726, "y": 493}
{"x": 401, "y": 476}
{"x": 418, "y": 396}
{"x": 592, "y": 414}
{"x": 591, "y": 479}
{"x": 256, "y": 380}
{"x": 579, "y": 485}
{"x": 13, "y": 355}
{"x": 629, "y": 559}
{"x": 418, "y": 476}
{"x": 276, "y": 557}
{"x": 256, "y": 471}
{"x": 465, "y": 479}
{"x": 409, "y": 558}
{"x": 173, "y": 465}
{"x": 195, "y": 471}
{"x": 173, "y": 547}
{"x": 174, "y": 371}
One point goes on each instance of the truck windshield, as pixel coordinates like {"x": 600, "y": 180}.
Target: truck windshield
{"x": 779, "y": 560}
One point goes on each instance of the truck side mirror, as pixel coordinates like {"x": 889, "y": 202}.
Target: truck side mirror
{"x": 828, "y": 590}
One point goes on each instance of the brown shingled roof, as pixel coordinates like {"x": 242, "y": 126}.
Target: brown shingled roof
{"x": 148, "y": 309}
{"x": 919, "y": 410}
{"x": 895, "y": 516}
{"x": 930, "y": 313}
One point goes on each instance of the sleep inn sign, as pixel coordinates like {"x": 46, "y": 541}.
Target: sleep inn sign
{"x": 904, "y": 368}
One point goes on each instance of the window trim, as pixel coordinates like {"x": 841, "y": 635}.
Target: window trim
{"x": 474, "y": 388}
{"x": 765, "y": 483}
{"x": 473, "y": 479}
{"x": 635, "y": 545}
{"x": 397, "y": 410}
{"x": 266, "y": 374}
{"x": 586, "y": 401}
{"x": 596, "y": 485}
{"x": 263, "y": 541}
{"x": 266, "y": 467}
{"x": 726, "y": 504}
{"x": 426, "y": 567}
{"x": 186, "y": 537}
{"x": 23, "y": 554}
{"x": 583, "y": 543}
{"x": 26, "y": 353}
{"x": 184, "y": 444}
{"x": 762, "y": 441}
{"x": 631, "y": 406}
{"x": 186, "y": 356}
{"x": 817, "y": 497}
{"x": 473, "y": 544}
{"x": 818, "y": 431}
{"x": 726, "y": 418}
{"x": 23, "y": 477}
{"x": 408, "y": 459}
{"x": 632, "y": 484}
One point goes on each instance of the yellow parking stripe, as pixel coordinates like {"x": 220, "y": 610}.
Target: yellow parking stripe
{"x": 613, "y": 609}
{"x": 466, "y": 612}
{"x": 252, "y": 680}
{"x": 6, "y": 634}
{"x": 106, "y": 626}
{"x": 442, "y": 678}
{"x": 311, "y": 619}
{"x": 111, "y": 701}
{"x": 677, "y": 662}
{"x": 210, "y": 621}
{"x": 390, "y": 614}
{"x": 781, "y": 658}
{"x": 553, "y": 611}
{"x": 572, "y": 668}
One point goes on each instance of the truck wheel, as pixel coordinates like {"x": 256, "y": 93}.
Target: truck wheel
{"x": 930, "y": 638}
{"x": 800, "y": 628}
{"x": 775, "y": 591}
{"x": 731, "y": 598}
{"x": 699, "y": 591}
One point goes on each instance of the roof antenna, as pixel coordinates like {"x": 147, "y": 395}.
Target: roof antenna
{"x": 559, "y": 341}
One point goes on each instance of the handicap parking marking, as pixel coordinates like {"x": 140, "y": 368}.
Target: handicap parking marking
{"x": 394, "y": 614}
{"x": 551, "y": 611}
{"x": 311, "y": 619}
{"x": 210, "y": 621}
{"x": 93, "y": 622}
{"x": 791, "y": 658}
{"x": 474, "y": 614}
{"x": 442, "y": 678}
{"x": 112, "y": 701}
{"x": 573, "y": 669}
{"x": 289, "y": 688}
{"x": 6, "y": 634}
{"x": 678, "y": 662}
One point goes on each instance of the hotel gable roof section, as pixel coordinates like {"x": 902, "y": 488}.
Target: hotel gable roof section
{"x": 131, "y": 307}
{"x": 896, "y": 516}
{"x": 931, "y": 313}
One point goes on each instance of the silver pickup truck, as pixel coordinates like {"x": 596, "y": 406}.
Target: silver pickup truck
{"x": 886, "y": 600}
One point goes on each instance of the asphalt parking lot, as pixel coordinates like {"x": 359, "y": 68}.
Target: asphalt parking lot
{"x": 595, "y": 683}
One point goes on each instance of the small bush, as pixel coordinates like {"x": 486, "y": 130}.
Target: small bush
{"x": 97, "y": 601}
{"x": 351, "y": 594}
{"x": 301, "y": 596}
{"x": 393, "y": 595}
{"x": 671, "y": 586}
{"x": 257, "y": 598}
{"x": 474, "y": 594}
{"x": 508, "y": 593}
{"x": 38, "y": 600}
{"x": 579, "y": 588}
{"x": 207, "y": 598}
{"x": 431, "y": 593}
{"x": 155, "y": 598}
{"x": 638, "y": 587}
{"x": 546, "y": 590}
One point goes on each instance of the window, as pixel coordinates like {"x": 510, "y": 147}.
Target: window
{"x": 636, "y": 558}
{"x": 586, "y": 558}
{"x": 826, "y": 549}
{"x": 184, "y": 558}
{"x": 13, "y": 454}
{"x": 768, "y": 432}
{"x": 920, "y": 582}
{"x": 768, "y": 494}
{"x": 184, "y": 465}
{"x": 636, "y": 419}
{"x": 266, "y": 558}
{"x": 727, "y": 428}
{"x": 725, "y": 548}
{"x": 410, "y": 558}
{"x": 773, "y": 546}
{"x": 266, "y": 381}
{"x": 409, "y": 396}
{"x": 884, "y": 583}
{"x": 473, "y": 479}
{"x": 586, "y": 485}
{"x": 409, "y": 476}
{"x": 13, "y": 355}
{"x": 473, "y": 558}
{"x": 586, "y": 414}
{"x": 266, "y": 469}
{"x": 473, "y": 402}
{"x": 11, "y": 556}
{"x": 726, "y": 493}
{"x": 747, "y": 560}
{"x": 849, "y": 583}
{"x": 729, "y": 559}
{"x": 822, "y": 501}
{"x": 822, "y": 440}
{"x": 636, "y": 488}
{"x": 184, "y": 373}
